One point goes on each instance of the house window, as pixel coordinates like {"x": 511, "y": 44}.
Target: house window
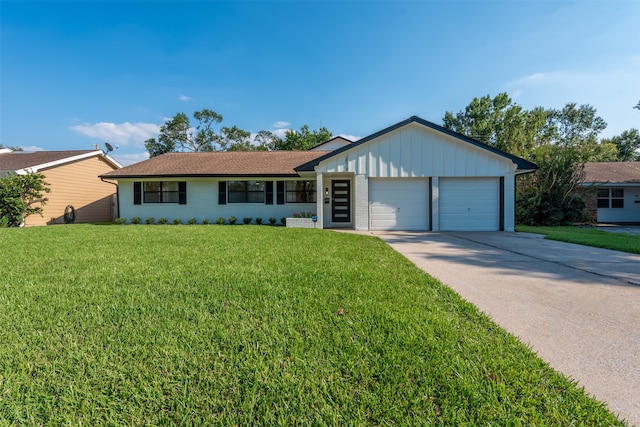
{"x": 617, "y": 198}
{"x": 246, "y": 191}
{"x": 301, "y": 191}
{"x": 161, "y": 192}
{"x": 611, "y": 198}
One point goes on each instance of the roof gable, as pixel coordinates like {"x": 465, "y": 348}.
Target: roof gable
{"x": 612, "y": 172}
{"x": 521, "y": 164}
{"x": 24, "y": 162}
{"x": 332, "y": 144}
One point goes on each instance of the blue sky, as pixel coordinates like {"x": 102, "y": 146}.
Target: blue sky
{"x": 78, "y": 73}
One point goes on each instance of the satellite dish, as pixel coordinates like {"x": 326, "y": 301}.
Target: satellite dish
{"x": 109, "y": 147}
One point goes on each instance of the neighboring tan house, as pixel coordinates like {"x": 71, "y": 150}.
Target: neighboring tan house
{"x": 616, "y": 191}
{"x": 414, "y": 175}
{"x": 73, "y": 179}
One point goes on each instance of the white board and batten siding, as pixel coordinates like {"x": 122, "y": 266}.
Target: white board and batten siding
{"x": 399, "y": 204}
{"x": 417, "y": 151}
{"x": 466, "y": 180}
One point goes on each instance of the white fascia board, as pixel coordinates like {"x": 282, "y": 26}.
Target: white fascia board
{"x": 99, "y": 153}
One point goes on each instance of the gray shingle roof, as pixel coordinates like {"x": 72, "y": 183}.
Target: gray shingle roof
{"x": 17, "y": 160}
{"x": 612, "y": 172}
{"x": 230, "y": 163}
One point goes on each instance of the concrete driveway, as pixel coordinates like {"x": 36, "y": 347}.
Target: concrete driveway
{"x": 577, "y": 307}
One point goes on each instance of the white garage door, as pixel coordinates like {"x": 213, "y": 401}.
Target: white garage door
{"x": 399, "y": 203}
{"x": 469, "y": 204}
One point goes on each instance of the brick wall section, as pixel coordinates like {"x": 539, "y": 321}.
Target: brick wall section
{"x": 589, "y": 195}
{"x": 301, "y": 223}
{"x": 362, "y": 203}
{"x": 320, "y": 200}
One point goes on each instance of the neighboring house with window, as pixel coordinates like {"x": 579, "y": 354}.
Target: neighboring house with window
{"x": 612, "y": 191}
{"x": 73, "y": 179}
{"x": 414, "y": 175}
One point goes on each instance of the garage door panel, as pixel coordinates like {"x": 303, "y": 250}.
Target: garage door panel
{"x": 469, "y": 204}
{"x": 398, "y": 204}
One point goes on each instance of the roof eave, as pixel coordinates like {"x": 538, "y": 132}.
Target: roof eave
{"x": 201, "y": 175}
{"x": 522, "y": 165}
{"x": 38, "y": 167}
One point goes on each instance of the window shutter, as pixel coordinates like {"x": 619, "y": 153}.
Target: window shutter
{"x": 182, "y": 193}
{"x": 137, "y": 193}
{"x": 268, "y": 187}
{"x": 280, "y": 192}
{"x": 222, "y": 192}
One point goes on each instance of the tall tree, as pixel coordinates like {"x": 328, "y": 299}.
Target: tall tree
{"x": 11, "y": 148}
{"x": 266, "y": 140}
{"x": 20, "y": 196}
{"x": 627, "y": 145}
{"x": 499, "y": 122}
{"x": 559, "y": 141}
{"x": 177, "y": 134}
{"x": 303, "y": 139}
{"x": 235, "y": 139}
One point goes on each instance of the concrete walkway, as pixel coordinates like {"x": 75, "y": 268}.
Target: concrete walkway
{"x": 577, "y": 307}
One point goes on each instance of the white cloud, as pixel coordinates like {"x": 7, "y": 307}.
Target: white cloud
{"x": 185, "y": 98}
{"x": 281, "y": 125}
{"x": 129, "y": 159}
{"x": 281, "y": 133}
{"x": 612, "y": 89}
{"x": 119, "y": 133}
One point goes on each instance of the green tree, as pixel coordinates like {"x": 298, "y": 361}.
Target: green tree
{"x": 266, "y": 140}
{"x": 20, "y": 196}
{"x": 11, "y": 148}
{"x": 549, "y": 196}
{"x": 236, "y": 139}
{"x": 578, "y": 127}
{"x": 499, "y": 122}
{"x": 558, "y": 141}
{"x": 303, "y": 139}
{"x": 627, "y": 145}
{"x": 177, "y": 134}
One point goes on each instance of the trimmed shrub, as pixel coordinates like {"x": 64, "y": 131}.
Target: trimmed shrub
{"x": 120, "y": 221}
{"x": 272, "y": 221}
{"x": 232, "y": 220}
{"x": 246, "y": 220}
{"x": 220, "y": 220}
{"x": 259, "y": 221}
{"x": 150, "y": 220}
{"x": 206, "y": 221}
{"x": 162, "y": 220}
{"x": 192, "y": 221}
{"x": 177, "y": 221}
{"x": 283, "y": 221}
{"x": 136, "y": 220}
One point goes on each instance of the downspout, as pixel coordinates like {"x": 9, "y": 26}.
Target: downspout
{"x": 117, "y": 193}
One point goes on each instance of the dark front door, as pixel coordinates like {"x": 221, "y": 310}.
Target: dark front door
{"x": 341, "y": 201}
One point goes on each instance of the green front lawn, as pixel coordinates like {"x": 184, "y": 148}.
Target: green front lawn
{"x": 588, "y": 237}
{"x": 246, "y": 325}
